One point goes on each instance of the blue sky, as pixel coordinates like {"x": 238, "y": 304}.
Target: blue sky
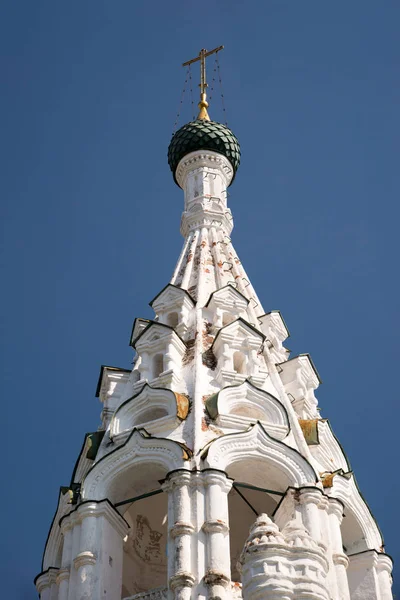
{"x": 90, "y": 216}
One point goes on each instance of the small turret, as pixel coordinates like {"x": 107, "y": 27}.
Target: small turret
{"x": 282, "y": 564}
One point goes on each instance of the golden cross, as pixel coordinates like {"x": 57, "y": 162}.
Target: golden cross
{"x": 203, "y": 104}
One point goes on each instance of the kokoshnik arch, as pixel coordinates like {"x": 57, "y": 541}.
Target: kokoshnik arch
{"x": 212, "y": 474}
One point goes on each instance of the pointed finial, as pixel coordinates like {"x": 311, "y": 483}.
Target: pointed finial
{"x": 203, "y": 104}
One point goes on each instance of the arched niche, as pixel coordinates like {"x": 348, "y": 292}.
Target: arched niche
{"x": 239, "y": 406}
{"x": 158, "y": 409}
{"x": 134, "y": 468}
{"x": 239, "y": 362}
{"x": 267, "y": 462}
{"x": 257, "y": 460}
{"x": 145, "y": 548}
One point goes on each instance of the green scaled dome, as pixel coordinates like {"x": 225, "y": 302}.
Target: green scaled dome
{"x": 204, "y": 135}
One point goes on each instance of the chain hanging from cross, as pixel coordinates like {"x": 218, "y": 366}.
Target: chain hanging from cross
{"x": 203, "y": 104}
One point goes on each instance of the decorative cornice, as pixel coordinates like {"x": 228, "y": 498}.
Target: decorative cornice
{"x": 199, "y": 158}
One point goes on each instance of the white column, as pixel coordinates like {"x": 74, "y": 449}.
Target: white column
{"x": 218, "y": 568}
{"x": 253, "y": 362}
{"x": 64, "y": 572}
{"x": 326, "y": 539}
{"x": 384, "y": 568}
{"x": 339, "y": 558}
{"x": 369, "y": 576}
{"x": 169, "y": 363}
{"x": 144, "y": 367}
{"x": 310, "y": 500}
{"x": 180, "y": 576}
{"x": 85, "y": 560}
{"x": 76, "y": 533}
{"x": 227, "y": 357}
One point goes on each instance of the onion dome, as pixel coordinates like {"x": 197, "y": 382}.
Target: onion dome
{"x": 203, "y": 134}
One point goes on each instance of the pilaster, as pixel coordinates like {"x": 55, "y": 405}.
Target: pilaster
{"x": 92, "y": 555}
{"x": 339, "y": 558}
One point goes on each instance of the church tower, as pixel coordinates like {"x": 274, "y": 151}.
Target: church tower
{"x": 212, "y": 475}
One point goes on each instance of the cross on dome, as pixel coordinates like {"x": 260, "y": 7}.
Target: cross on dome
{"x": 203, "y": 104}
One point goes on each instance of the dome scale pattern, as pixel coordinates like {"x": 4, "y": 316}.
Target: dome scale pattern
{"x": 204, "y": 135}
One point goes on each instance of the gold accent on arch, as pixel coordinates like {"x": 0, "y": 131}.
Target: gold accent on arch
{"x": 203, "y": 104}
{"x": 182, "y": 405}
{"x": 309, "y": 428}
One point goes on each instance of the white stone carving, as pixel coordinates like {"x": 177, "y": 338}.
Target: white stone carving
{"x": 238, "y": 406}
{"x": 288, "y": 564}
{"x": 107, "y": 478}
{"x": 161, "y": 350}
{"x": 236, "y": 347}
{"x": 110, "y": 390}
{"x": 173, "y": 306}
{"x": 207, "y": 405}
{"x": 226, "y": 305}
{"x": 300, "y": 379}
{"x": 159, "y": 407}
{"x": 274, "y": 328}
{"x": 282, "y": 465}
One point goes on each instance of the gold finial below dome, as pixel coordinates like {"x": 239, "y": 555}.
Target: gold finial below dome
{"x": 203, "y": 104}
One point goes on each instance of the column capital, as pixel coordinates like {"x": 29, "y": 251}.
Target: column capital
{"x": 216, "y": 578}
{"x": 178, "y": 478}
{"x": 213, "y": 476}
{"x": 340, "y": 558}
{"x": 310, "y": 495}
{"x": 63, "y": 574}
{"x": 46, "y": 579}
{"x": 385, "y": 563}
{"x": 336, "y": 508}
{"x": 181, "y": 579}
